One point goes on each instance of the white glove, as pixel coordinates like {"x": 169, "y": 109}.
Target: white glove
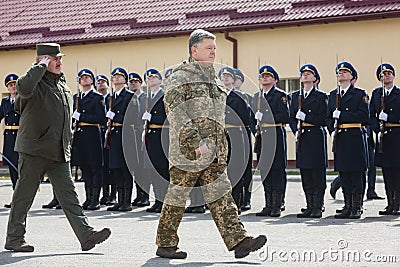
{"x": 378, "y": 139}
{"x": 383, "y": 116}
{"x": 110, "y": 114}
{"x": 336, "y": 114}
{"x": 76, "y": 115}
{"x": 300, "y": 115}
{"x": 333, "y": 135}
{"x": 146, "y": 116}
{"x": 258, "y": 115}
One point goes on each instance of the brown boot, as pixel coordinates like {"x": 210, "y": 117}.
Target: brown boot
{"x": 95, "y": 238}
{"x": 249, "y": 244}
{"x": 171, "y": 253}
{"x": 19, "y": 246}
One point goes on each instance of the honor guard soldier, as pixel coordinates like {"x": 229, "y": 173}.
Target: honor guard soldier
{"x": 237, "y": 118}
{"x": 118, "y": 116}
{"x": 142, "y": 184}
{"x": 109, "y": 187}
{"x": 156, "y": 138}
{"x": 272, "y": 114}
{"x": 307, "y": 120}
{"x": 11, "y": 121}
{"x": 346, "y": 119}
{"x": 385, "y": 121}
{"x": 248, "y": 174}
{"x": 87, "y": 150}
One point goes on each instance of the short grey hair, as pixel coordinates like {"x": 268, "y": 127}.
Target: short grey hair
{"x": 198, "y": 36}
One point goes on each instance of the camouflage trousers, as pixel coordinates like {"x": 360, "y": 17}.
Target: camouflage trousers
{"x": 217, "y": 194}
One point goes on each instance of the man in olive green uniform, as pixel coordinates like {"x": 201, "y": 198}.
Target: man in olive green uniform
{"x": 195, "y": 103}
{"x": 43, "y": 143}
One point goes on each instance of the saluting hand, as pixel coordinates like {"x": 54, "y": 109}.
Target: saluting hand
{"x": 44, "y": 60}
{"x": 258, "y": 115}
{"x": 336, "y": 114}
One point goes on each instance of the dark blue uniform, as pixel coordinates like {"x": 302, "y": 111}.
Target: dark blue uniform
{"x": 109, "y": 194}
{"x": 11, "y": 121}
{"x": 237, "y": 118}
{"x": 126, "y": 113}
{"x": 311, "y": 155}
{"x": 87, "y": 151}
{"x": 388, "y": 160}
{"x": 155, "y": 159}
{"x": 141, "y": 181}
{"x": 248, "y": 173}
{"x": 351, "y": 156}
{"x": 273, "y": 160}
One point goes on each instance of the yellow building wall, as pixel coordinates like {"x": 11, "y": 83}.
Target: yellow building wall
{"x": 362, "y": 43}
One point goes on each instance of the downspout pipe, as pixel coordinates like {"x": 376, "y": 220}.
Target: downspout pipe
{"x": 235, "y": 48}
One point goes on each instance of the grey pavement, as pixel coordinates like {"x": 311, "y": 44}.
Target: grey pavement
{"x": 291, "y": 241}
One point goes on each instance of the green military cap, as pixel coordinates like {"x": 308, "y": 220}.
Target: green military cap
{"x": 50, "y": 49}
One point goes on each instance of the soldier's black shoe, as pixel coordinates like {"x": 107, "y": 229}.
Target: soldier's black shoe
{"x": 373, "y": 195}
{"x": 95, "y": 238}
{"x": 249, "y": 244}
{"x": 111, "y": 201}
{"x": 103, "y": 200}
{"x": 19, "y": 246}
{"x": 52, "y": 204}
{"x": 58, "y": 207}
{"x": 135, "y": 201}
{"x": 143, "y": 202}
{"x": 199, "y": 209}
{"x": 266, "y": 211}
{"x": 245, "y": 206}
{"x": 171, "y": 253}
{"x": 152, "y": 208}
{"x": 8, "y": 206}
{"x": 125, "y": 207}
{"x": 189, "y": 209}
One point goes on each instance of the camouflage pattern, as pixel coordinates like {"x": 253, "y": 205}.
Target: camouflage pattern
{"x": 195, "y": 104}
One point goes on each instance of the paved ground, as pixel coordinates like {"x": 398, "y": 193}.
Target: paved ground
{"x": 291, "y": 241}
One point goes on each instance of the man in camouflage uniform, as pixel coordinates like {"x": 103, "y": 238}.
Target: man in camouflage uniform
{"x": 195, "y": 103}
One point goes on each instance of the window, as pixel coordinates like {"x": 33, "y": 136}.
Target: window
{"x": 289, "y": 85}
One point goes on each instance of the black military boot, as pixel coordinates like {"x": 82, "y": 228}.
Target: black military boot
{"x": 95, "y": 203}
{"x": 344, "y": 207}
{"x": 356, "y": 206}
{"x": 389, "y": 208}
{"x": 88, "y": 191}
{"x": 106, "y": 195}
{"x": 246, "y": 201}
{"x": 112, "y": 200}
{"x": 396, "y": 204}
{"x": 276, "y": 204}
{"x": 307, "y": 212}
{"x": 335, "y": 185}
{"x": 127, "y": 205}
{"x": 266, "y": 211}
{"x": 347, "y": 207}
{"x": 144, "y": 201}
{"x": 318, "y": 202}
{"x": 139, "y": 193}
{"x": 117, "y": 205}
{"x": 52, "y": 204}
{"x": 155, "y": 207}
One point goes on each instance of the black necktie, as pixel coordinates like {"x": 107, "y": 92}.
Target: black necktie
{"x": 305, "y": 95}
{"x": 342, "y": 93}
{"x": 12, "y": 101}
{"x": 387, "y": 92}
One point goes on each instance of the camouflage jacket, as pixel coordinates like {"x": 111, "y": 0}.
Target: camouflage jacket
{"x": 195, "y": 102}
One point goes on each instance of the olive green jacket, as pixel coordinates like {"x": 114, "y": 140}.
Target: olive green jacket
{"x": 46, "y": 105}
